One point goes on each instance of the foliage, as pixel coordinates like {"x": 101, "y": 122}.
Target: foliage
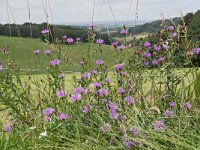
{"x": 140, "y": 99}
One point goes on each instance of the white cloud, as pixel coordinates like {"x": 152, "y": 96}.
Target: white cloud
{"x": 81, "y": 10}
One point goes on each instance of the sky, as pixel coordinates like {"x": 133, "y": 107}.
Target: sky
{"x": 67, "y": 11}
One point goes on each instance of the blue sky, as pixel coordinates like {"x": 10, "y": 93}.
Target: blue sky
{"x": 64, "y": 11}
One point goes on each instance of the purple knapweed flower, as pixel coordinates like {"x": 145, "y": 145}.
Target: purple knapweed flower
{"x": 157, "y": 48}
{"x": 165, "y": 46}
{"x": 170, "y": 28}
{"x": 129, "y": 100}
{"x": 64, "y": 37}
{"x": 174, "y": 34}
{"x": 121, "y": 90}
{"x": 45, "y": 31}
{"x": 196, "y": 51}
{"x": 99, "y": 62}
{"x": 63, "y": 116}
{"x": 94, "y": 72}
{"x": 108, "y": 80}
{"x": 158, "y": 125}
{"x": 154, "y": 62}
{"x": 99, "y": 41}
{"x": 55, "y": 62}
{"x": 146, "y": 63}
{"x": 111, "y": 105}
{"x": 103, "y": 92}
{"x": 106, "y": 127}
{"x": 60, "y": 93}
{"x": 82, "y": 62}
{"x": 70, "y": 40}
{"x": 79, "y": 90}
{"x": 78, "y": 39}
{"x": 171, "y": 104}
{"x": 123, "y": 73}
{"x": 48, "y": 111}
{"x": 97, "y": 84}
{"x": 7, "y": 128}
{"x": 36, "y": 51}
{"x": 113, "y": 114}
{"x": 128, "y": 143}
{"x": 187, "y": 105}
{"x": 86, "y": 75}
{"x": 134, "y": 131}
{"x": 92, "y": 26}
{"x": 147, "y": 44}
{"x": 75, "y": 97}
{"x": 121, "y": 47}
{"x": 169, "y": 113}
{"x": 114, "y": 43}
{"x": 119, "y": 67}
{"x": 47, "y": 52}
{"x": 123, "y": 31}
{"x": 85, "y": 109}
{"x": 161, "y": 59}
{"x": 147, "y": 55}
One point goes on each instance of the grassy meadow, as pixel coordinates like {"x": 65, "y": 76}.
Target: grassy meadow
{"x": 123, "y": 105}
{"x": 22, "y": 53}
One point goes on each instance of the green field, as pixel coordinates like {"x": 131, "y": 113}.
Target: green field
{"x": 21, "y": 50}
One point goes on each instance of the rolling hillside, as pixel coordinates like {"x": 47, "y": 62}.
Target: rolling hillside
{"x": 22, "y": 52}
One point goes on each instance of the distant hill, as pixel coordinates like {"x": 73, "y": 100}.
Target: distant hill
{"x": 110, "y": 24}
{"x": 34, "y": 30}
{"x": 74, "y": 30}
{"x": 192, "y": 20}
{"x": 152, "y": 27}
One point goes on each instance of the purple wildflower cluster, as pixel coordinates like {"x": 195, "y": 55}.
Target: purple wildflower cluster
{"x": 123, "y": 31}
{"x": 158, "y": 125}
{"x": 169, "y": 113}
{"x": 70, "y": 40}
{"x": 112, "y": 108}
{"x": 129, "y": 100}
{"x": 99, "y": 62}
{"x": 48, "y": 112}
{"x": 55, "y": 62}
{"x": 99, "y": 41}
{"x": 60, "y": 93}
{"x": 119, "y": 67}
{"x": 8, "y": 128}
{"x": 129, "y": 143}
{"x": 45, "y": 31}
{"x": 113, "y": 105}
{"x": 46, "y": 52}
{"x": 63, "y": 116}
